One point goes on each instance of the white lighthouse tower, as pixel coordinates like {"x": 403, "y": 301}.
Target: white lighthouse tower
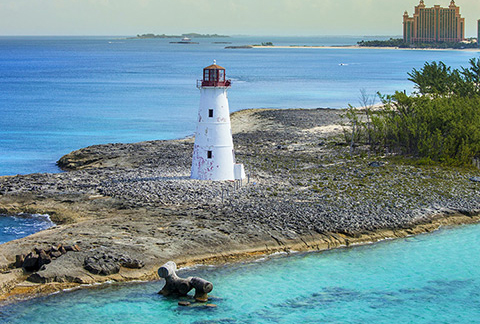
{"x": 213, "y": 154}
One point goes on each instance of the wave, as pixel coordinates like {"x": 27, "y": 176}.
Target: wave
{"x": 13, "y": 227}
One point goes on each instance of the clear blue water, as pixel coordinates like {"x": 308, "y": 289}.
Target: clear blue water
{"x": 433, "y": 278}
{"x": 15, "y": 227}
{"x": 60, "y": 94}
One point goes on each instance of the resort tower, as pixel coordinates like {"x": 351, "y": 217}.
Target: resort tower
{"x": 478, "y": 33}
{"x": 435, "y": 24}
{"x": 213, "y": 154}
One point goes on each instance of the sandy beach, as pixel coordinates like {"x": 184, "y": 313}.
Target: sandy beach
{"x": 367, "y": 47}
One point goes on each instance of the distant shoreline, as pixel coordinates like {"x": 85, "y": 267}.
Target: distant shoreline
{"x": 359, "y": 47}
{"x": 190, "y": 35}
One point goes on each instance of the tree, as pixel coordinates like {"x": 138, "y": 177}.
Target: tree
{"x": 440, "y": 123}
{"x": 436, "y": 79}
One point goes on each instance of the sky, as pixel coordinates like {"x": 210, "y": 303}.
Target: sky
{"x": 232, "y": 17}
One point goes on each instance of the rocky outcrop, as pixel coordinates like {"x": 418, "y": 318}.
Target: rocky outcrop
{"x": 132, "y": 207}
{"x": 36, "y": 260}
{"x": 105, "y": 263}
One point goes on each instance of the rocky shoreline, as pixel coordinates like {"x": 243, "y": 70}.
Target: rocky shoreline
{"x": 132, "y": 207}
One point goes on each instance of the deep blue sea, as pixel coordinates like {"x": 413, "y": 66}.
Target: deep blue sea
{"x": 18, "y": 226}
{"x": 58, "y": 94}
{"x": 431, "y": 278}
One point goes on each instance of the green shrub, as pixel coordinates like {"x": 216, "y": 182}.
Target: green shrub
{"x": 440, "y": 123}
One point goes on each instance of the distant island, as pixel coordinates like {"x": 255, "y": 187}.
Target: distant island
{"x": 190, "y": 35}
{"x": 400, "y": 43}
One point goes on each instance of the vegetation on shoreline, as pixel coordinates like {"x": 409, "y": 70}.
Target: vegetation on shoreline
{"x": 190, "y": 35}
{"x": 438, "y": 123}
{"x": 398, "y": 42}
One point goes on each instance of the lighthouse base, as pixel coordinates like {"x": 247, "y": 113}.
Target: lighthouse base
{"x": 212, "y": 163}
{"x": 238, "y": 171}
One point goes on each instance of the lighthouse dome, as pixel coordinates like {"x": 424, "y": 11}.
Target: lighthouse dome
{"x": 214, "y": 66}
{"x": 214, "y": 76}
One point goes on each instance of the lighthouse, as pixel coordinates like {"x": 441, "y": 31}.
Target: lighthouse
{"x": 213, "y": 154}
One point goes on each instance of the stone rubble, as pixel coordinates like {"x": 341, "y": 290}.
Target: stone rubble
{"x": 302, "y": 181}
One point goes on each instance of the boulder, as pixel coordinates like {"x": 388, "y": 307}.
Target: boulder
{"x": 62, "y": 250}
{"x": 103, "y": 266}
{"x": 131, "y": 263}
{"x": 73, "y": 248}
{"x": 36, "y": 278}
{"x": 31, "y": 262}
{"x": 55, "y": 254}
{"x": 104, "y": 262}
{"x": 68, "y": 248}
{"x": 43, "y": 258}
{"x": 19, "y": 259}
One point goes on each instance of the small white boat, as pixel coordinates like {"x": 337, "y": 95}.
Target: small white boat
{"x": 185, "y": 40}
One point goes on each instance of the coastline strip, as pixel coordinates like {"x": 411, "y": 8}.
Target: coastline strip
{"x": 365, "y": 47}
{"x": 314, "y": 243}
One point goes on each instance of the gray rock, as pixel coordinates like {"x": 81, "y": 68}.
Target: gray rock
{"x": 131, "y": 263}
{"x": 102, "y": 266}
{"x": 36, "y": 278}
{"x": 31, "y": 262}
{"x": 43, "y": 258}
{"x": 105, "y": 262}
{"x": 19, "y": 259}
{"x": 69, "y": 248}
{"x": 55, "y": 254}
{"x": 62, "y": 250}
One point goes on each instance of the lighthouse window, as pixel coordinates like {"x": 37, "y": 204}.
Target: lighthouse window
{"x": 209, "y": 154}
{"x": 210, "y": 113}
{"x": 207, "y": 75}
{"x": 221, "y": 75}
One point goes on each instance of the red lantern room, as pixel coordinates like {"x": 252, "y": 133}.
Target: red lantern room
{"x": 214, "y": 76}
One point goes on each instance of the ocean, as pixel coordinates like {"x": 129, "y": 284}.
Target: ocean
{"x": 429, "y": 278}
{"x": 59, "y": 94}
{"x": 18, "y": 226}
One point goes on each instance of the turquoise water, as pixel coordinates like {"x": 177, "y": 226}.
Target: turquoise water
{"x": 432, "y": 278}
{"x": 18, "y": 226}
{"x": 58, "y": 94}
